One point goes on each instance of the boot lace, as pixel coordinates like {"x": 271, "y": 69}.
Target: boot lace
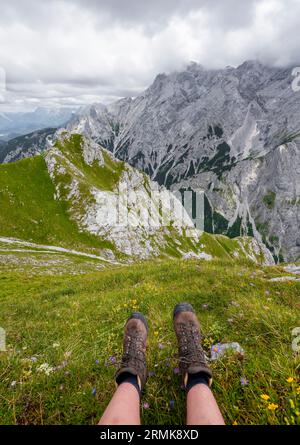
{"x": 189, "y": 345}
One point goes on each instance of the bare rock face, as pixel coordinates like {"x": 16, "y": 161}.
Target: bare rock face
{"x": 233, "y": 133}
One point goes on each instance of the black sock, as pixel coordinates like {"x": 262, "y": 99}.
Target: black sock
{"x": 195, "y": 379}
{"x": 129, "y": 378}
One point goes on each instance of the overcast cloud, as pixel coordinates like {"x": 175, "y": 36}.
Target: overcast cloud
{"x": 72, "y": 52}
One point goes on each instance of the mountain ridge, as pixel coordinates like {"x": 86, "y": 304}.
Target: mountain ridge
{"x": 197, "y": 124}
{"x": 70, "y": 197}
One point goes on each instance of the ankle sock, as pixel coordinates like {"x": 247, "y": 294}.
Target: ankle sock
{"x": 195, "y": 379}
{"x": 127, "y": 377}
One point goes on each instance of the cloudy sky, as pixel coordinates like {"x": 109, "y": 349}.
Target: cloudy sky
{"x": 72, "y": 52}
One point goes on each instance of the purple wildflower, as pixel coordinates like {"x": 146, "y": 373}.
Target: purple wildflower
{"x": 160, "y": 346}
{"x": 244, "y": 381}
{"x": 97, "y": 362}
{"x": 146, "y": 405}
{"x": 94, "y": 391}
{"x": 172, "y": 404}
{"x": 176, "y": 370}
{"x": 215, "y": 348}
{"x": 112, "y": 359}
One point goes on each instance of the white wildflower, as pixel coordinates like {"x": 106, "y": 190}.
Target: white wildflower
{"x": 46, "y": 368}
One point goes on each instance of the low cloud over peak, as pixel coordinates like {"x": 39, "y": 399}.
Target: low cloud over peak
{"x": 73, "y": 52}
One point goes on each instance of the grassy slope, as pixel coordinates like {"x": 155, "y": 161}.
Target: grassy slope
{"x": 30, "y": 212}
{"x": 74, "y": 321}
{"x": 104, "y": 177}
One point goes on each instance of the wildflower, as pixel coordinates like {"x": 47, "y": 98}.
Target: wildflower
{"x": 112, "y": 359}
{"x": 27, "y": 373}
{"x": 265, "y": 396}
{"x": 160, "y": 346}
{"x": 172, "y": 404}
{"x": 125, "y": 305}
{"x": 234, "y": 423}
{"x": 298, "y": 390}
{"x": 13, "y": 383}
{"x": 45, "y": 368}
{"x": 215, "y": 348}
{"x": 176, "y": 370}
{"x": 97, "y": 362}
{"x": 55, "y": 345}
{"x": 33, "y": 359}
{"x": 94, "y": 391}
{"x": 205, "y": 306}
{"x": 146, "y": 405}
{"x": 67, "y": 354}
{"x": 272, "y": 406}
{"x": 244, "y": 381}
{"x": 290, "y": 379}
{"x": 156, "y": 333}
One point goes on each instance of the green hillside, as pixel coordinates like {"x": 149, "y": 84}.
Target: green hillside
{"x": 64, "y": 333}
{"x": 41, "y": 209}
{"x": 30, "y": 212}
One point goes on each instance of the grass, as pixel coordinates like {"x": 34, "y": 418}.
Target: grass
{"x": 30, "y": 212}
{"x": 74, "y": 324}
{"x": 105, "y": 177}
{"x": 269, "y": 199}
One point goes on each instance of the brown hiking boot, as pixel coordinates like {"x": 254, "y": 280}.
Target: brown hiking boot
{"x": 134, "y": 349}
{"x": 191, "y": 355}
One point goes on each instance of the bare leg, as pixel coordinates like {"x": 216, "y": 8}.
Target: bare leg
{"x": 202, "y": 408}
{"x": 124, "y": 407}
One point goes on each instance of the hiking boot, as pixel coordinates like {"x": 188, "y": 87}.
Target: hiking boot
{"x": 191, "y": 355}
{"x": 134, "y": 350}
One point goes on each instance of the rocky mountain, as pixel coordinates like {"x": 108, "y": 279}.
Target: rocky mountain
{"x": 25, "y": 146}
{"x": 233, "y": 133}
{"x": 79, "y": 196}
{"x": 21, "y": 123}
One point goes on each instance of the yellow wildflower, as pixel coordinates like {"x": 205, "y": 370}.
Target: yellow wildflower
{"x": 235, "y": 423}
{"x": 265, "y": 397}
{"x": 298, "y": 390}
{"x": 156, "y": 333}
{"x": 290, "y": 379}
{"x": 272, "y": 406}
